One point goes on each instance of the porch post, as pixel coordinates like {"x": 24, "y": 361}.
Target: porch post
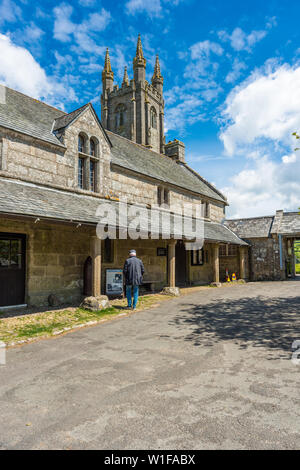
{"x": 242, "y": 250}
{"x": 96, "y": 258}
{"x": 216, "y": 264}
{"x": 171, "y": 261}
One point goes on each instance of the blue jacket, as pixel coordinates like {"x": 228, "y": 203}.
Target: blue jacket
{"x": 133, "y": 271}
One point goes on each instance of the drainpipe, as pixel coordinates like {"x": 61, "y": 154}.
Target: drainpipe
{"x": 280, "y": 250}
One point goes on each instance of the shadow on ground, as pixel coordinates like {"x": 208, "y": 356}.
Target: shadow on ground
{"x": 270, "y": 322}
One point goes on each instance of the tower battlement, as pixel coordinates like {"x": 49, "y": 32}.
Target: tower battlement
{"x": 135, "y": 109}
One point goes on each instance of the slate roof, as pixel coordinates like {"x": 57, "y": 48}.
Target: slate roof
{"x": 27, "y": 115}
{"x": 66, "y": 119}
{"x": 20, "y": 198}
{"x": 256, "y": 227}
{"x": 136, "y": 157}
{"x": 287, "y": 223}
{"x": 37, "y": 119}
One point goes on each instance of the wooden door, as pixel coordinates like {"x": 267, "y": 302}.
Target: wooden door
{"x": 12, "y": 269}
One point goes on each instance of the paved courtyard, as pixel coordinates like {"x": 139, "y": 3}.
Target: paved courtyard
{"x": 210, "y": 370}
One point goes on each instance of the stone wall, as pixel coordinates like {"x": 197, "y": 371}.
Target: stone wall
{"x": 39, "y": 162}
{"x": 35, "y": 161}
{"x": 201, "y": 274}
{"x": 155, "y": 266}
{"x": 55, "y": 257}
{"x": 265, "y": 260}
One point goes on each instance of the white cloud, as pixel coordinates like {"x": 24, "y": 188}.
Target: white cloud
{"x": 235, "y": 73}
{"x": 289, "y": 158}
{"x": 65, "y": 30}
{"x": 266, "y": 106}
{"x": 28, "y": 76}
{"x": 260, "y": 116}
{"x": 264, "y": 187}
{"x": 204, "y": 49}
{"x": 242, "y": 41}
{"x": 185, "y": 112}
{"x": 152, "y": 8}
{"x": 9, "y": 11}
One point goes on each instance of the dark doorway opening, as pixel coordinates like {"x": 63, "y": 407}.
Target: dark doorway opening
{"x": 180, "y": 263}
{"x": 12, "y": 269}
{"x": 88, "y": 276}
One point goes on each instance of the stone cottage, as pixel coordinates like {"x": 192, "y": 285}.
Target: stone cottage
{"x": 271, "y": 240}
{"x": 55, "y": 170}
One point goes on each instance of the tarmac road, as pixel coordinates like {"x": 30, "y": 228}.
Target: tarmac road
{"x": 210, "y": 370}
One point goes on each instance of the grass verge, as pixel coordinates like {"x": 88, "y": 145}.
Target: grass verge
{"x": 46, "y": 324}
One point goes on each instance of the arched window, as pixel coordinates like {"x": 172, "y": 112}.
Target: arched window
{"x": 81, "y": 143}
{"x": 93, "y": 148}
{"x": 120, "y": 115}
{"x": 153, "y": 118}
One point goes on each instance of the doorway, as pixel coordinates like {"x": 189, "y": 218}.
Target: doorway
{"x": 12, "y": 269}
{"x": 180, "y": 263}
{"x": 297, "y": 258}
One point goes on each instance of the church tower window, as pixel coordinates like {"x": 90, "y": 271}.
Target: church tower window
{"x": 153, "y": 118}
{"x": 120, "y": 115}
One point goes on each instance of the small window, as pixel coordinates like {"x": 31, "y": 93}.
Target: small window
{"x": 206, "y": 210}
{"x": 166, "y": 197}
{"x": 223, "y": 250}
{"x": 159, "y": 196}
{"x": 197, "y": 257}
{"x": 92, "y": 148}
{"x": 162, "y": 196}
{"x": 80, "y": 172}
{"x": 80, "y": 144}
{"x": 153, "y": 118}
{"x": 108, "y": 251}
{"x": 11, "y": 254}
{"x": 232, "y": 250}
{"x": 93, "y": 176}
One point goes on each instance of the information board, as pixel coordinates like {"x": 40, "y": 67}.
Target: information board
{"x": 114, "y": 282}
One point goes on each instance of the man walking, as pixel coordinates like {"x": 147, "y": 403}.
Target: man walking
{"x": 133, "y": 273}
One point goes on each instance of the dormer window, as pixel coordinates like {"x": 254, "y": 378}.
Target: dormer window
{"x": 153, "y": 118}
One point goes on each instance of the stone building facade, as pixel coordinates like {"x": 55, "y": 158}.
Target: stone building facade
{"x": 271, "y": 240}
{"x": 56, "y": 168}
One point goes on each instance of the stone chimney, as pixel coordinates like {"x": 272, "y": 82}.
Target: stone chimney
{"x": 175, "y": 150}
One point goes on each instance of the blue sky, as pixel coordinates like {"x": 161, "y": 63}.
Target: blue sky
{"x": 231, "y": 70}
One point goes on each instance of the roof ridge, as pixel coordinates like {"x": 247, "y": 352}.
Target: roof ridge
{"x": 251, "y": 218}
{"x": 74, "y": 111}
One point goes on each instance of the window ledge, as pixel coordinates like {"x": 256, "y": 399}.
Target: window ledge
{"x": 87, "y": 155}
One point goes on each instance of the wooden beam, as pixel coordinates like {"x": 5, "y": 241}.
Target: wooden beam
{"x": 242, "y": 250}
{"x": 171, "y": 261}
{"x": 216, "y": 263}
{"x": 96, "y": 258}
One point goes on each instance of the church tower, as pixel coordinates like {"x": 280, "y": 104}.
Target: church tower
{"x": 134, "y": 110}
